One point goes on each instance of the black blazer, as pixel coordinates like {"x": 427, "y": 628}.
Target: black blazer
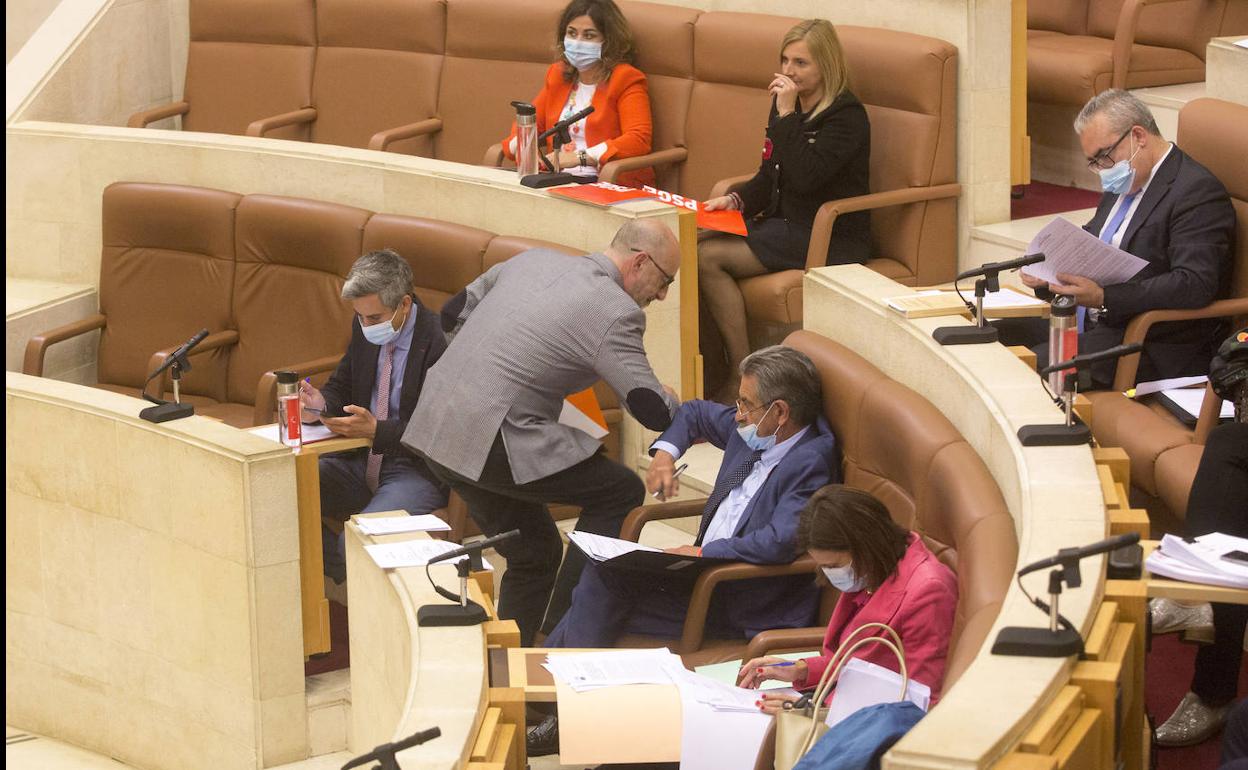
{"x": 1184, "y": 226}
{"x": 353, "y": 380}
{"x": 807, "y": 164}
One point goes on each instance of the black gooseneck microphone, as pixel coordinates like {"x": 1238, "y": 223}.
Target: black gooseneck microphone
{"x": 991, "y": 268}
{"x": 989, "y": 281}
{"x": 1070, "y": 433}
{"x": 559, "y": 131}
{"x": 1087, "y": 359}
{"x": 463, "y": 612}
{"x": 178, "y": 356}
{"x": 384, "y": 754}
{"x": 180, "y": 362}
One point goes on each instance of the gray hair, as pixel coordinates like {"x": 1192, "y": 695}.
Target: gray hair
{"x": 643, "y": 235}
{"x": 1121, "y": 108}
{"x": 786, "y": 374}
{"x": 383, "y": 273}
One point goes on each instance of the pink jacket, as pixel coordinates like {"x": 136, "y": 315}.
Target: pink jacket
{"x": 918, "y": 601}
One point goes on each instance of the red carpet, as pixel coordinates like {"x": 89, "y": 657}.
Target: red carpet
{"x": 1040, "y": 198}
{"x": 1168, "y": 675}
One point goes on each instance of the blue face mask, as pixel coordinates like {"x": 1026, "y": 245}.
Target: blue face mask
{"x": 1117, "y": 179}
{"x": 749, "y": 434}
{"x": 844, "y": 579}
{"x": 381, "y": 333}
{"x": 582, "y": 54}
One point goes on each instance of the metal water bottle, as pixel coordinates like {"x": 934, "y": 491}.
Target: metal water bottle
{"x": 289, "y": 408}
{"x": 1063, "y": 337}
{"x": 526, "y": 138}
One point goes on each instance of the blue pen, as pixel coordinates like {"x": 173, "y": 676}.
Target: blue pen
{"x": 780, "y": 665}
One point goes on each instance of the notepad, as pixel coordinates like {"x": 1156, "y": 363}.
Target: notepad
{"x": 925, "y": 304}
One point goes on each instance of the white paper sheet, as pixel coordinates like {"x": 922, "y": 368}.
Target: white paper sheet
{"x": 713, "y": 738}
{"x": 1156, "y": 386}
{"x": 602, "y": 548}
{"x": 1070, "y": 249}
{"x": 394, "y": 525}
{"x": 591, "y": 670}
{"x": 412, "y": 553}
{"x": 1200, "y": 561}
{"x": 1190, "y": 400}
{"x": 311, "y": 433}
{"x": 863, "y": 684}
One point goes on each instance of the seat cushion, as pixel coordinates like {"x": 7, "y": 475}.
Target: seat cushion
{"x": 774, "y": 297}
{"x": 1071, "y": 69}
{"x": 1142, "y": 432}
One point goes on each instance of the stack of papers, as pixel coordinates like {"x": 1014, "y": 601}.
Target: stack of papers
{"x": 413, "y": 553}
{"x": 1071, "y": 250}
{"x": 311, "y": 433}
{"x": 602, "y": 548}
{"x": 584, "y": 671}
{"x": 862, "y": 684}
{"x": 720, "y": 696}
{"x": 394, "y": 525}
{"x": 1201, "y": 560}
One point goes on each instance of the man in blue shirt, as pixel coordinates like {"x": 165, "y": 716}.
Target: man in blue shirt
{"x": 371, "y": 394}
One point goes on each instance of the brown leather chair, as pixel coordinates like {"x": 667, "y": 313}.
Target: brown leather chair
{"x": 908, "y": 84}
{"x": 378, "y": 64}
{"x": 1078, "y": 48}
{"x": 1165, "y": 453}
{"x": 247, "y": 59}
{"x": 933, "y": 482}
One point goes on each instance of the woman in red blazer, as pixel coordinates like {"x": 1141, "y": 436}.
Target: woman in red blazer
{"x": 886, "y": 575}
{"x": 595, "y": 46}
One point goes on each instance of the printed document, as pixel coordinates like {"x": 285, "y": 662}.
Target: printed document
{"x": 721, "y": 728}
{"x": 412, "y": 553}
{"x": 1071, "y": 250}
{"x": 584, "y": 671}
{"x": 602, "y": 548}
{"x": 1200, "y": 561}
{"x": 862, "y": 683}
{"x": 394, "y": 525}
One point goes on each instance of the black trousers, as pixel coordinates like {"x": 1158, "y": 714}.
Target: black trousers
{"x": 535, "y": 586}
{"x": 1219, "y": 503}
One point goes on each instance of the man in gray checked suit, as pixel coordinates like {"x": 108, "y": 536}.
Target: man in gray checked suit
{"x": 526, "y": 334}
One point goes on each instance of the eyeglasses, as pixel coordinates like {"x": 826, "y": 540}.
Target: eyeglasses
{"x": 741, "y": 407}
{"x": 1101, "y": 160}
{"x": 668, "y": 280}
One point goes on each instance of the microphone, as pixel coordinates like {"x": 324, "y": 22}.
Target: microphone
{"x": 1068, "y": 555}
{"x": 179, "y": 353}
{"x": 989, "y": 268}
{"x": 384, "y": 754}
{"x": 563, "y": 124}
{"x": 1082, "y": 362}
{"x": 489, "y": 542}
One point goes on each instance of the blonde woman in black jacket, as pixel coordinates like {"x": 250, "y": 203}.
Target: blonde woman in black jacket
{"x": 817, "y": 147}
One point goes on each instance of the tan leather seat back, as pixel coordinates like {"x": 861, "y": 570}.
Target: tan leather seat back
{"x": 898, "y": 446}
{"x": 166, "y": 271}
{"x": 378, "y": 65}
{"x": 293, "y": 255}
{"x": 1185, "y": 25}
{"x": 663, "y": 35}
{"x": 908, "y": 84}
{"x": 495, "y": 53}
{"x": 444, "y": 257}
{"x": 1069, "y": 17}
{"x": 248, "y": 59}
{"x": 1212, "y": 132}
{"x": 734, "y": 57}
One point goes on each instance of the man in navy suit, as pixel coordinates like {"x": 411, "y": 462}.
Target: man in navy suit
{"x": 371, "y": 394}
{"x": 1164, "y": 207}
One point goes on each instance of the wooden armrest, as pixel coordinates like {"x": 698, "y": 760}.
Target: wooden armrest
{"x": 1137, "y": 330}
{"x": 821, "y": 231}
{"x": 37, "y": 346}
{"x": 1124, "y": 38}
{"x": 142, "y": 119}
{"x": 494, "y": 156}
{"x": 612, "y": 169}
{"x": 725, "y": 186}
{"x": 781, "y": 639}
{"x": 265, "y": 125}
{"x": 1210, "y": 416}
{"x": 639, "y": 516}
{"x": 266, "y": 391}
{"x": 210, "y": 343}
{"x": 383, "y": 139}
{"x": 700, "y": 600}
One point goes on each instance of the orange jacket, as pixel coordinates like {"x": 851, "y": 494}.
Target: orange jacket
{"x": 621, "y": 116}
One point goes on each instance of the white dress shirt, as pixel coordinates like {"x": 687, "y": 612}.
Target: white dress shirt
{"x": 1135, "y": 203}
{"x": 728, "y": 515}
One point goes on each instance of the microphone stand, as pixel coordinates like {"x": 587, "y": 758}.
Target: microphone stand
{"x": 384, "y": 754}
{"x": 561, "y": 132}
{"x": 164, "y": 411}
{"x": 1060, "y": 639}
{"x": 1070, "y": 433}
{"x": 981, "y": 331}
{"x": 466, "y": 613}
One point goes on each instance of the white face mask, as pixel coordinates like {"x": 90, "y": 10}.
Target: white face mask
{"x": 582, "y": 54}
{"x": 381, "y": 333}
{"x": 844, "y": 579}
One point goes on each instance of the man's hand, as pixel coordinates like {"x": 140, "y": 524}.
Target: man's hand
{"x": 1086, "y": 292}
{"x": 685, "y": 550}
{"x": 310, "y": 398}
{"x": 661, "y": 476}
{"x": 359, "y": 423}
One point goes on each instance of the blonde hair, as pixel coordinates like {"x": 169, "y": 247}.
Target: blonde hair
{"x": 825, "y": 51}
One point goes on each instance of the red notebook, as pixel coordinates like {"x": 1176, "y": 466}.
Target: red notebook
{"x": 608, "y": 194}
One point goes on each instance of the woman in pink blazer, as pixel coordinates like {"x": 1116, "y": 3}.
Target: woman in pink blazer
{"x": 886, "y": 575}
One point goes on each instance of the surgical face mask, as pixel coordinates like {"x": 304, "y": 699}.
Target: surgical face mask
{"x": 1117, "y": 179}
{"x": 582, "y": 54}
{"x": 844, "y": 579}
{"x": 749, "y": 434}
{"x": 381, "y": 333}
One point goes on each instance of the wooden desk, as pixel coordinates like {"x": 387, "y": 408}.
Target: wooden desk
{"x": 1159, "y": 587}
{"x": 311, "y": 561}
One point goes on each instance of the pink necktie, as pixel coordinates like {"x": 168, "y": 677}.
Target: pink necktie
{"x": 372, "y": 471}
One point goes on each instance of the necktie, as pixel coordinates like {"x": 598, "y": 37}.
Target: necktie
{"x": 1107, "y": 235}
{"x": 372, "y": 471}
{"x": 729, "y": 482}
